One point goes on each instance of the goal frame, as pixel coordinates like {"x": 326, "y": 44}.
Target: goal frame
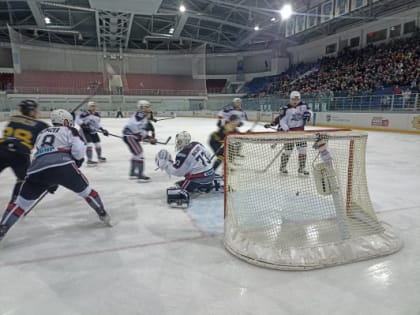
{"x": 324, "y": 255}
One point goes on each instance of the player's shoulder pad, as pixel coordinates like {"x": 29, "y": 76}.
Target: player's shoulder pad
{"x": 227, "y": 108}
{"x": 84, "y": 114}
{"x": 74, "y": 131}
{"x": 302, "y": 104}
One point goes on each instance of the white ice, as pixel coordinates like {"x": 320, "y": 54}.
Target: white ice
{"x": 158, "y": 260}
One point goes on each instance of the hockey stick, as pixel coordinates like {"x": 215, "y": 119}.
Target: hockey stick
{"x": 36, "y": 202}
{"x": 146, "y": 140}
{"x": 253, "y": 126}
{"x": 217, "y": 152}
{"x": 273, "y": 160}
{"x": 87, "y": 99}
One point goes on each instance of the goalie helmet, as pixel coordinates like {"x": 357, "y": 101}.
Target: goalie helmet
{"x": 142, "y": 104}
{"x": 182, "y": 139}
{"x": 59, "y": 116}
{"x": 26, "y": 106}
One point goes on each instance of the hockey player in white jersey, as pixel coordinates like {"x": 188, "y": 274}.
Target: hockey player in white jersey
{"x": 229, "y": 110}
{"x": 59, "y": 154}
{"x": 133, "y": 133}
{"x": 293, "y": 117}
{"x": 90, "y": 124}
{"x": 193, "y": 162}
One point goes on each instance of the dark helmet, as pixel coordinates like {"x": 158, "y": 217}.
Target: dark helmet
{"x": 140, "y": 115}
{"x": 26, "y": 106}
{"x": 234, "y": 117}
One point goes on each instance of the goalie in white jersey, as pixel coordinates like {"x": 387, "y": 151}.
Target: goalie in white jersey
{"x": 193, "y": 161}
{"x": 59, "y": 154}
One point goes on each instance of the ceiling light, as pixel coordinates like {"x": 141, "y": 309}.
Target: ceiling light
{"x": 273, "y": 19}
{"x": 286, "y": 12}
{"x": 182, "y": 8}
{"x": 256, "y": 28}
{"x": 47, "y": 20}
{"x": 171, "y": 30}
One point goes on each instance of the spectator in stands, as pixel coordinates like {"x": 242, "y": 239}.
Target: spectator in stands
{"x": 396, "y": 90}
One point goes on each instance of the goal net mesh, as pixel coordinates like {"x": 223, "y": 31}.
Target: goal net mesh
{"x": 295, "y": 220}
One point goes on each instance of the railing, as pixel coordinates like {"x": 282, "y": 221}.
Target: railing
{"x": 160, "y": 92}
{"x": 372, "y": 103}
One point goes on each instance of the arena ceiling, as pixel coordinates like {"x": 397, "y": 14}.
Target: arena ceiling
{"x": 110, "y": 25}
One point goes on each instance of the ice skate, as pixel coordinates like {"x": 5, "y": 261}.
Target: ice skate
{"x": 302, "y": 171}
{"x": 106, "y": 219}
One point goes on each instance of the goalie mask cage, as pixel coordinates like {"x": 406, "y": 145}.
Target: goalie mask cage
{"x": 292, "y": 221}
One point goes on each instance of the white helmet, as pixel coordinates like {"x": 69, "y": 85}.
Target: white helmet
{"x": 58, "y": 117}
{"x": 182, "y": 139}
{"x": 295, "y": 95}
{"x": 237, "y": 99}
{"x": 142, "y": 103}
{"x": 91, "y": 103}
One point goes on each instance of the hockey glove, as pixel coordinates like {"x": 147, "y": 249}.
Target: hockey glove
{"x": 105, "y": 132}
{"x": 163, "y": 159}
{"x": 307, "y": 116}
{"x": 52, "y": 189}
{"x": 267, "y": 126}
{"x": 320, "y": 141}
{"x": 151, "y": 140}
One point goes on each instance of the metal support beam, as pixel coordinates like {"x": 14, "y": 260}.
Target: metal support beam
{"x": 180, "y": 25}
{"x": 130, "y": 24}
{"x": 36, "y": 12}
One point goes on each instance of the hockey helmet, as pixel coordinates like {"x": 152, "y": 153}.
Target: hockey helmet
{"x": 139, "y": 116}
{"x": 91, "y": 104}
{"x": 237, "y": 102}
{"x": 295, "y": 95}
{"x": 234, "y": 117}
{"x": 26, "y": 106}
{"x": 142, "y": 104}
{"x": 182, "y": 139}
{"x": 59, "y": 116}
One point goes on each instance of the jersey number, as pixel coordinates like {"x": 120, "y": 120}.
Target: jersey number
{"x": 48, "y": 140}
{"x": 203, "y": 158}
{"x": 23, "y": 135}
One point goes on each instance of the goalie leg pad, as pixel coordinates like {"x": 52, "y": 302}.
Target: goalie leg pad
{"x": 177, "y": 197}
{"x": 325, "y": 178}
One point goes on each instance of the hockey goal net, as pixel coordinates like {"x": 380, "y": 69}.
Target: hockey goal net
{"x": 296, "y": 220}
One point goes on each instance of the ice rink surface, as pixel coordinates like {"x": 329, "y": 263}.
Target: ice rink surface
{"x": 157, "y": 260}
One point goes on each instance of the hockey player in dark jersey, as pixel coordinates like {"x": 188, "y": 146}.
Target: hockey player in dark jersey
{"x": 229, "y": 110}
{"x": 59, "y": 153}
{"x": 192, "y": 161}
{"x": 90, "y": 124}
{"x": 293, "y": 117}
{"x": 217, "y": 138}
{"x": 17, "y": 141}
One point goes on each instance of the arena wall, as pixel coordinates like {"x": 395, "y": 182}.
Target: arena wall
{"x": 391, "y": 122}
